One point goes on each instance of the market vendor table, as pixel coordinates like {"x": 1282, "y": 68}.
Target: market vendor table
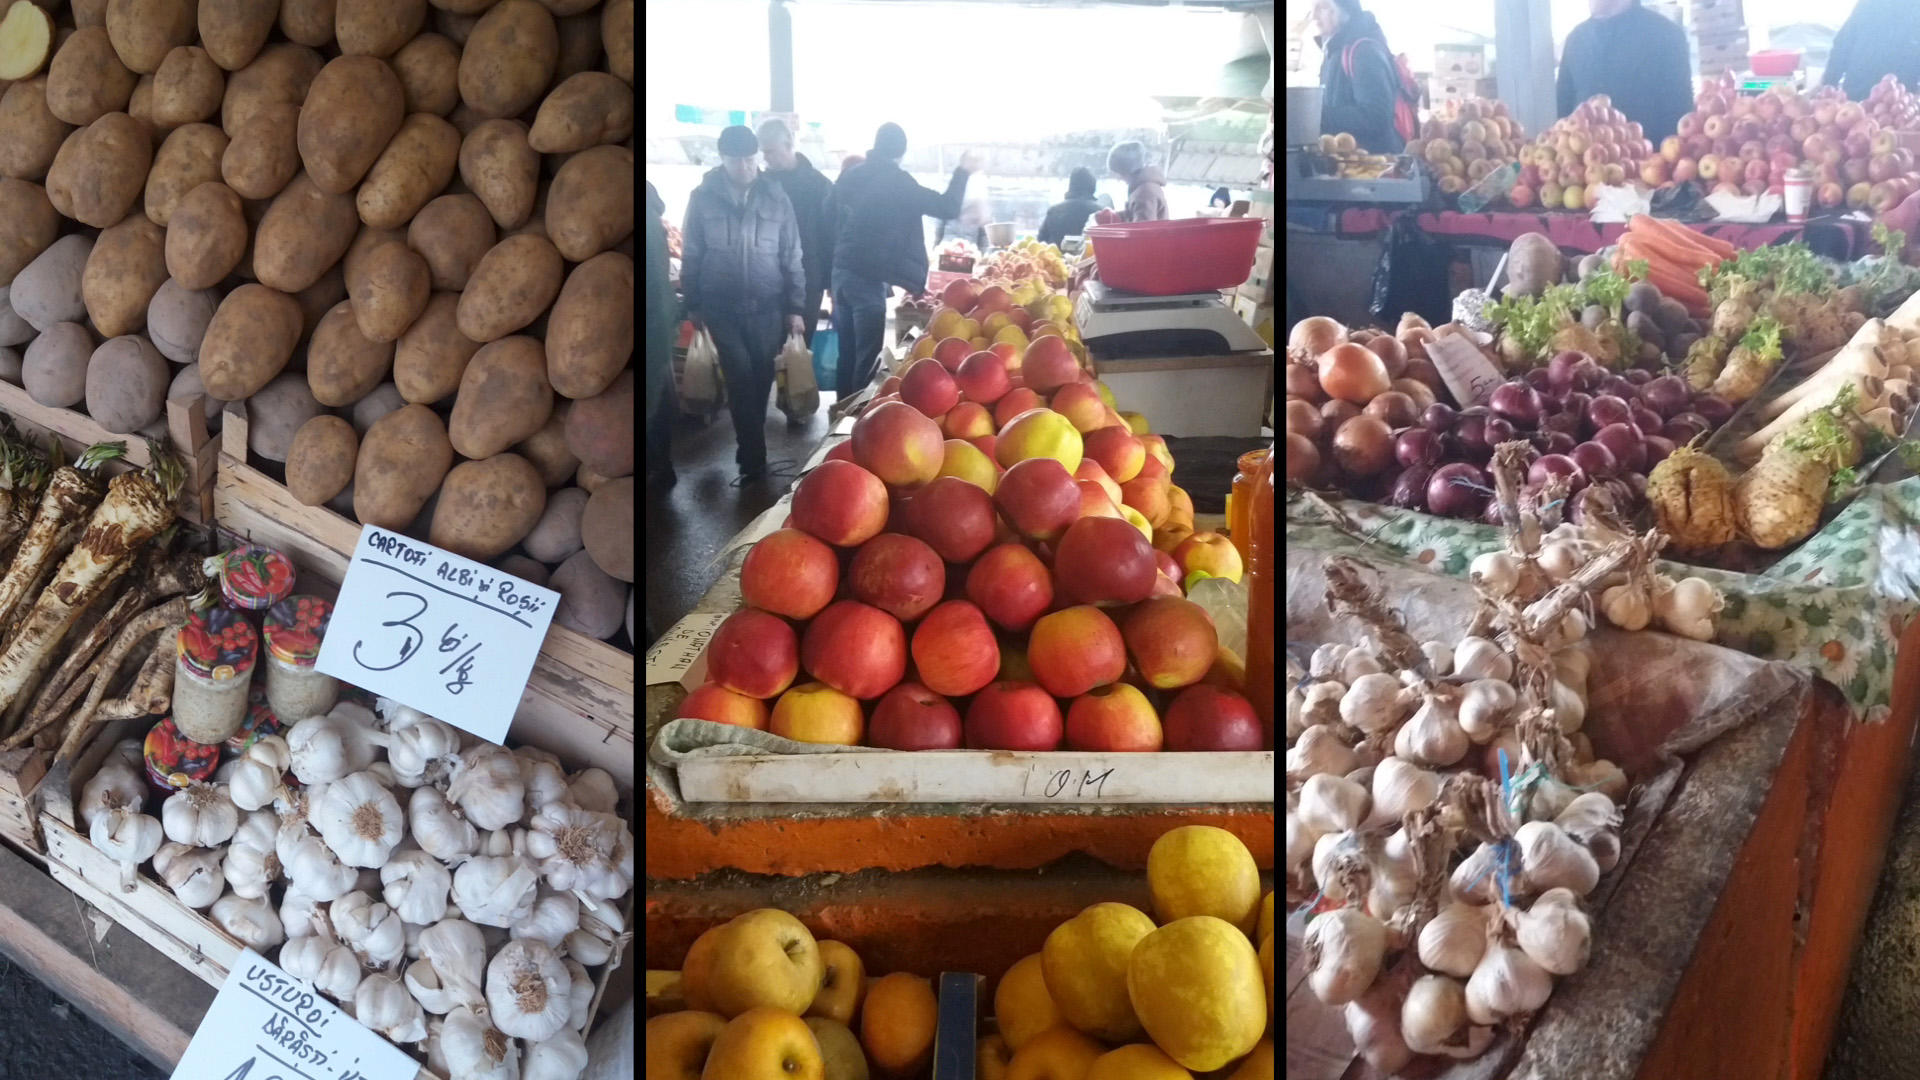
{"x": 1839, "y": 238}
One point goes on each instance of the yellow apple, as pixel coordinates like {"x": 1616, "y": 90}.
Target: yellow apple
{"x": 1106, "y": 395}
{"x": 967, "y": 328}
{"x": 1140, "y": 1061}
{"x": 696, "y": 971}
{"x": 1203, "y": 870}
{"x": 1138, "y": 520}
{"x": 1136, "y": 422}
{"x": 765, "y": 1044}
{"x": 898, "y": 1022}
{"x": 991, "y": 1058}
{"x": 994, "y": 322}
{"x": 1021, "y": 1003}
{"x": 1059, "y": 1053}
{"x": 1266, "y": 972}
{"x": 839, "y": 1049}
{"x": 1259, "y": 1064}
{"x": 762, "y": 958}
{"x": 1195, "y": 985}
{"x": 678, "y": 1044}
{"x": 842, "y": 982}
{"x": 1039, "y": 433}
{"x": 923, "y": 348}
{"x": 969, "y": 463}
{"x": 1266, "y": 903}
{"x": 1085, "y": 963}
{"x": 1011, "y": 335}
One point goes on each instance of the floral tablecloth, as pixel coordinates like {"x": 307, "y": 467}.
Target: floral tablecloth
{"x": 1836, "y": 605}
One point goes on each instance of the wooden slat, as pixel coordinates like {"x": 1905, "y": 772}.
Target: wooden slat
{"x": 932, "y": 776}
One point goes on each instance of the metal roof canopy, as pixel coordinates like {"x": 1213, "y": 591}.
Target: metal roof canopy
{"x": 1187, "y": 5}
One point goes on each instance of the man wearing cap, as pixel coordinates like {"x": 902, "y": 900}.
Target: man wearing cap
{"x": 807, "y": 189}
{"x": 741, "y": 277}
{"x": 879, "y": 242}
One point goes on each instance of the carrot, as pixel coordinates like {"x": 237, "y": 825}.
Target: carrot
{"x": 1682, "y": 238}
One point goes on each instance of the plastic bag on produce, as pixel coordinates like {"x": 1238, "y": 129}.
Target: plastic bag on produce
{"x": 1412, "y": 275}
{"x": 701, "y": 389}
{"x": 799, "y": 395}
{"x": 1618, "y": 203}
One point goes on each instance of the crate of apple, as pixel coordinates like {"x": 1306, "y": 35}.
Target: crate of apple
{"x": 1466, "y": 140}
{"x": 1595, "y": 146}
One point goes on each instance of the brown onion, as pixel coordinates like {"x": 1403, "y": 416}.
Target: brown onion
{"x": 1304, "y": 382}
{"x": 1423, "y": 371}
{"x": 1391, "y": 353}
{"x": 1336, "y": 412}
{"x": 1303, "y": 418}
{"x": 1303, "y": 458}
{"x": 1314, "y": 335}
{"x": 1415, "y": 342}
{"x": 1420, "y": 392}
{"x": 1363, "y": 446}
{"x": 1363, "y": 335}
{"x": 1353, "y": 373}
{"x": 1411, "y": 321}
{"x": 1394, "y": 408}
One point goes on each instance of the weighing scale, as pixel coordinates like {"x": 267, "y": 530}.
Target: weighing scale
{"x": 1124, "y": 324}
{"x": 1751, "y": 85}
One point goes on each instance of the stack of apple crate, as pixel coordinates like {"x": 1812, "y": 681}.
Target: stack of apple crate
{"x": 1253, "y": 300}
{"x": 1720, "y": 33}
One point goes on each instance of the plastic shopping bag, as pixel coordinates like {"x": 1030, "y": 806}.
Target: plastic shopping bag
{"x": 701, "y": 391}
{"x": 799, "y": 395}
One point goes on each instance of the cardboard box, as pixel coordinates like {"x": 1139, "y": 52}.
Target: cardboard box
{"x": 1263, "y": 262}
{"x": 1459, "y": 61}
{"x": 1716, "y": 16}
{"x": 1440, "y": 91}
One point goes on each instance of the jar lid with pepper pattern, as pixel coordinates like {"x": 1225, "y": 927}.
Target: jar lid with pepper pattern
{"x": 295, "y": 627}
{"x": 254, "y": 578}
{"x": 218, "y": 644}
{"x": 174, "y": 761}
{"x": 260, "y": 722}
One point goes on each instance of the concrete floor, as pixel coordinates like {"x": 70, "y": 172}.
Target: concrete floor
{"x": 1880, "y": 1022}
{"x": 43, "y": 1036}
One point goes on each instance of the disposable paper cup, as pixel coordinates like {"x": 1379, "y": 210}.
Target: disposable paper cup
{"x": 1798, "y": 188}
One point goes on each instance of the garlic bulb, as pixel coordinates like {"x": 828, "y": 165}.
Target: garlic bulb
{"x": 495, "y": 890}
{"x": 371, "y": 929}
{"x": 592, "y": 789}
{"x": 585, "y": 852}
{"x": 1296, "y": 712}
{"x": 252, "y": 861}
{"x": 1548, "y": 799}
{"x": 1506, "y": 983}
{"x": 1496, "y": 571}
{"x": 1561, "y": 559}
{"x": 1485, "y": 705}
{"x": 542, "y": 777}
{"x": 1477, "y": 658}
{"x": 254, "y": 922}
{"x": 271, "y": 751}
{"x": 1434, "y": 1012}
{"x": 1554, "y": 932}
{"x": 415, "y": 885}
{"x": 192, "y": 873}
{"x": 323, "y": 749}
{"x": 253, "y": 784}
{"x": 311, "y": 866}
{"x": 201, "y": 815}
{"x": 423, "y": 750}
{"x": 1326, "y": 849}
{"x": 1343, "y": 951}
{"x": 1550, "y": 859}
{"x": 1572, "y": 665}
{"x": 440, "y": 829}
{"x": 127, "y": 838}
{"x": 562, "y": 1056}
{"x": 1399, "y": 788}
{"x": 1359, "y": 662}
{"x": 1569, "y": 707}
{"x": 324, "y": 962}
{"x": 1453, "y": 941}
{"x": 382, "y": 1003}
{"x": 1627, "y": 606}
{"x": 1434, "y": 736}
{"x": 1602, "y": 776}
{"x": 423, "y": 982}
{"x": 529, "y": 990}
{"x": 359, "y": 820}
{"x": 1573, "y": 626}
{"x": 487, "y": 785}
{"x": 1439, "y": 658}
{"x": 1687, "y": 607}
{"x": 1326, "y": 660}
{"x": 1394, "y": 880}
{"x": 1320, "y": 702}
{"x": 554, "y": 916}
{"x": 602, "y": 934}
{"x": 1330, "y": 803}
{"x": 115, "y": 787}
{"x": 458, "y": 953}
{"x": 580, "y": 1003}
{"x": 1477, "y": 879}
{"x": 1376, "y": 702}
{"x": 1604, "y": 846}
{"x": 1319, "y": 750}
{"x": 475, "y": 1049}
{"x": 1373, "y": 1023}
{"x": 303, "y": 916}
{"x": 1588, "y": 814}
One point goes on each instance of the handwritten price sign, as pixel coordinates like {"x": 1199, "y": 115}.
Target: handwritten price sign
{"x": 442, "y": 633}
{"x": 266, "y": 1024}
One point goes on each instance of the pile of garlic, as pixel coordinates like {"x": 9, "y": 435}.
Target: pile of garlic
{"x": 1629, "y": 600}
{"x": 447, "y": 892}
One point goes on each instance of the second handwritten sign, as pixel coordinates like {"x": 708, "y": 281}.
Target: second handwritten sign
{"x": 265, "y": 1023}
{"x": 451, "y": 637}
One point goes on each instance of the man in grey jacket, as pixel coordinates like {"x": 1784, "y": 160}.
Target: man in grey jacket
{"x": 1146, "y": 184}
{"x": 741, "y": 276}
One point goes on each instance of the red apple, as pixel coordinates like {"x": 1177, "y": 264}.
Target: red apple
{"x": 983, "y": 378}
{"x": 1013, "y": 716}
{"x": 960, "y": 294}
{"x": 711, "y": 701}
{"x": 1689, "y": 125}
{"x": 954, "y": 517}
{"x": 1011, "y": 586}
{"x": 1755, "y": 170}
{"x": 1049, "y": 365}
{"x": 1116, "y": 718}
{"x": 1206, "y": 717}
{"x": 790, "y": 573}
{"x": 899, "y": 574}
{"x": 900, "y": 444}
{"x": 1685, "y": 169}
{"x": 855, "y": 648}
{"x": 1172, "y": 641}
{"x": 753, "y": 653}
{"x": 928, "y": 387}
{"x": 1016, "y": 401}
{"x": 912, "y": 717}
{"x": 1076, "y": 649}
{"x": 954, "y": 650}
{"x": 1103, "y": 560}
{"x": 951, "y": 351}
{"x": 1038, "y": 498}
{"x": 968, "y": 420}
{"x": 841, "y": 503}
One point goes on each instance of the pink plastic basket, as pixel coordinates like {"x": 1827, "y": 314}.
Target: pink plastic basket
{"x": 1172, "y": 258}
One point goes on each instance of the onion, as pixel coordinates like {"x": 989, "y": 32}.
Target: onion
{"x": 1415, "y": 342}
{"x": 1353, "y": 373}
{"x": 1303, "y": 458}
{"x": 1685, "y": 428}
{"x": 1567, "y": 423}
{"x": 1627, "y": 444}
{"x": 1608, "y": 409}
{"x": 1410, "y": 488}
{"x": 1576, "y": 402}
{"x": 1395, "y": 408}
{"x": 1539, "y": 380}
{"x": 1564, "y": 368}
{"x": 1550, "y": 466}
{"x": 1422, "y": 369}
{"x": 1439, "y": 416}
{"x": 1470, "y": 436}
{"x": 1667, "y": 395}
{"x": 1303, "y": 419}
{"x": 1646, "y": 419}
{"x": 1518, "y": 402}
{"x": 1496, "y": 430}
{"x": 1335, "y": 413}
{"x": 1589, "y": 375}
{"x": 1658, "y": 447}
{"x": 1457, "y": 490}
{"x": 1420, "y": 392}
{"x": 1617, "y": 386}
{"x": 1716, "y": 409}
{"x": 1411, "y": 321}
{"x": 1554, "y": 442}
{"x": 1640, "y": 376}
{"x": 1314, "y": 335}
{"x": 1596, "y": 462}
{"x": 1417, "y": 446}
{"x": 1303, "y": 383}
{"x": 1637, "y": 483}
{"x": 1391, "y": 353}
{"x": 1363, "y": 446}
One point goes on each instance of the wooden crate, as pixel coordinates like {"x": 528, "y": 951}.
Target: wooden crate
{"x": 186, "y": 429}
{"x": 29, "y": 782}
{"x": 579, "y": 699}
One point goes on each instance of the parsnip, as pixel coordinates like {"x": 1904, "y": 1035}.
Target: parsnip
{"x": 1867, "y": 389}
{"x": 1871, "y": 350}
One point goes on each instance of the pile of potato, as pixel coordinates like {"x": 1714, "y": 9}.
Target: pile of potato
{"x": 401, "y": 233}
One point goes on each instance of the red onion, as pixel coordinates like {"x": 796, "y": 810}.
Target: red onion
{"x": 1617, "y": 386}
{"x": 1550, "y": 466}
{"x": 1564, "y": 368}
{"x": 1416, "y": 447}
{"x": 1576, "y": 402}
{"x": 1685, "y": 427}
{"x": 1637, "y": 483}
{"x": 1410, "y": 488}
{"x": 1658, "y": 447}
{"x": 1565, "y": 423}
{"x": 1539, "y": 379}
{"x": 1608, "y": 409}
{"x": 1518, "y": 402}
{"x": 1595, "y": 460}
{"x": 1646, "y": 419}
{"x": 1667, "y": 395}
{"x": 1716, "y": 409}
{"x": 1554, "y": 442}
{"x": 1470, "y": 436}
{"x": 1439, "y": 416}
{"x": 1638, "y": 376}
{"x": 1626, "y": 442}
{"x": 1496, "y": 430}
{"x": 1457, "y": 490}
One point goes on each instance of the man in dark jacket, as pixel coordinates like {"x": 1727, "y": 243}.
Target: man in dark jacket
{"x": 1637, "y": 57}
{"x": 661, "y": 323}
{"x": 1880, "y": 38}
{"x": 741, "y": 275}
{"x": 1359, "y": 78}
{"x": 807, "y": 189}
{"x": 1146, "y": 184}
{"x": 1069, "y": 218}
{"x": 879, "y": 241}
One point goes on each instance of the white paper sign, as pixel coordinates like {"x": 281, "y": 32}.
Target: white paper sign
{"x": 681, "y": 653}
{"x": 267, "y": 1025}
{"x": 436, "y": 631}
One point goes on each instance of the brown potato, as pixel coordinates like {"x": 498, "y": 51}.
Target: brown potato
{"x": 431, "y": 357}
{"x": 403, "y": 458}
{"x": 263, "y": 156}
{"x": 502, "y": 170}
{"x": 189, "y": 157}
{"x": 316, "y": 300}
{"x": 89, "y": 13}
{"x": 352, "y": 111}
{"x": 87, "y": 80}
{"x": 280, "y": 75}
{"x": 28, "y": 226}
{"x": 509, "y": 59}
{"x": 320, "y": 464}
{"x": 140, "y": 107}
{"x": 616, "y": 31}
{"x": 514, "y": 284}
{"x": 177, "y": 321}
{"x": 97, "y": 175}
{"x": 30, "y": 135}
{"x": 308, "y": 22}
{"x": 305, "y": 231}
{"x": 503, "y": 398}
{"x": 590, "y": 206}
{"x": 388, "y": 288}
{"x": 416, "y": 166}
{"x": 600, "y": 429}
{"x": 276, "y": 413}
{"x": 188, "y": 87}
{"x": 590, "y": 330}
{"x": 587, "y": 110}
{"x": 248, "y": 342}
{"x": 376, "y": 28}
{"x": 127, "y": 381}
{"x": 579, "y": 45}
{"x": 547, "y": 448}
{"x": 563, "y": 8}
{"x": 143, "y": 32}
{"x": 455, "y": 27}
{"x": 485, "y": 507}
{"x": 453, "y": 233}
{"x": 127, "y": 266}
{"x": 343, "y": 364}
{"x": 606, "y": 527}
{"x": 234, "y": 31}
{"x": 206, "y": 238}
{"x": 429, "y": 70}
